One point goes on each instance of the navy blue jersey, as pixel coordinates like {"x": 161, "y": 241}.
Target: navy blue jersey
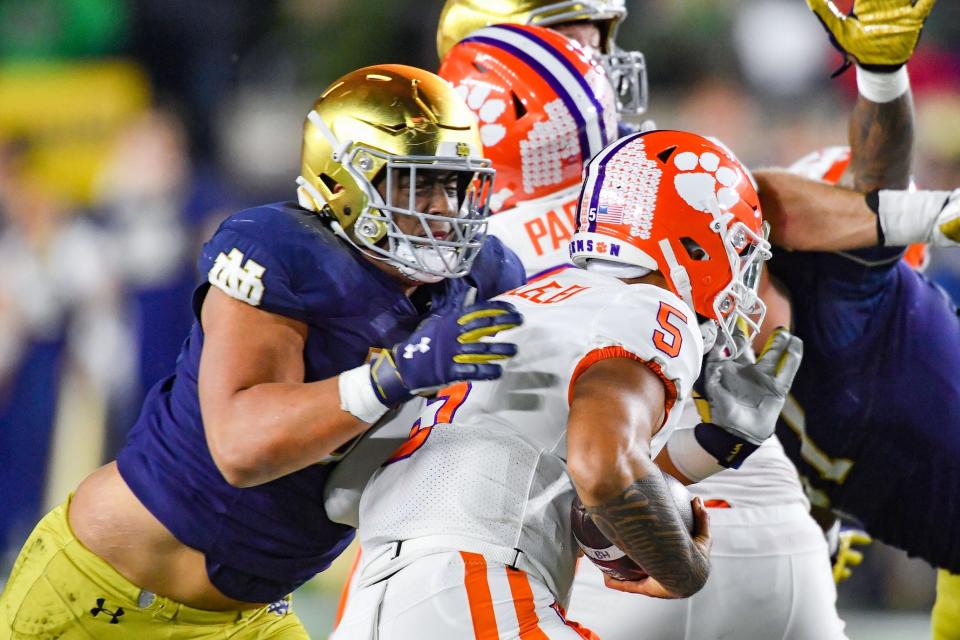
{"x": 873, "y": 424}
{"x": 262, "y": 542}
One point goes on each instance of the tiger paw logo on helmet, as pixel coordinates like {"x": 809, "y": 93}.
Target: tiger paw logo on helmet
{"x": 551, "y": 145}
{"x": 544, "y": 107}
{"x": 488, "y": 110}
{"x": 698, "y": 188}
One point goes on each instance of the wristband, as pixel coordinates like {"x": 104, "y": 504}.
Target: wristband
{"x": 386, "y": 381}
{"x": 357, "y": 396}
{"x": 689, "y": 456}
{"x": 882, "y": 87}
{"x": 729, "y": 450}
{"x": 907, "y": 217}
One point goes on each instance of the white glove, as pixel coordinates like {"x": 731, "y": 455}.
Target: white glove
{"x": 741, "y": 401}
{"x": 746, "y": 398}
{"x": 907, "y": 217}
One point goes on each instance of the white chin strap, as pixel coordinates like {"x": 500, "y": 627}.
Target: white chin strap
{"x": 679, "y": 276}
{"x": 434, "y": 259}
{"x": 615, "y": 269}
{"x": 709, "y": 331}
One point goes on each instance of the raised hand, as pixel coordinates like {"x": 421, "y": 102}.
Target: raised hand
{"x": 745, "y": 398}
{"x": 879, "y": 34}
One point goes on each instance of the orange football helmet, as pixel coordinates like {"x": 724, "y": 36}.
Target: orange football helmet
{"x": 681, "y": 204}
{"x": 829, "y": 165}
{"x": 545, "y": 107}
{"x": 627, "y": 69}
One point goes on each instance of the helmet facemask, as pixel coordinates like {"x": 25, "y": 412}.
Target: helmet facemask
{"x": 423, "y": 246}
{"x": 435, "y": 246}
{"x": 627, "y": 71}
{"x": 738, "y": 309}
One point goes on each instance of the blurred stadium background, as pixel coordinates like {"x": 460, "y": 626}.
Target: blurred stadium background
{"x": 128, "y": 128}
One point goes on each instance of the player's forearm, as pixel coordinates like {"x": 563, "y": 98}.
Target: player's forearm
{"x": 643, "y": 521}
{"x": 881, "y": 143}
{"x": 809, "y": 215}
{"x": 273, "y": 429}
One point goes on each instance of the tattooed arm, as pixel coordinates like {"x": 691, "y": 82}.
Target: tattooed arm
{"x": 617, "y": 406}
{"x": 809, "y": 215}
{"x": 881, "y": 144}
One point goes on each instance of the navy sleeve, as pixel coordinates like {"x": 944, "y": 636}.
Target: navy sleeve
{"x": 497, "y": 269}
{"x": 836, "y": 301}
{"x": 251, "y": 264}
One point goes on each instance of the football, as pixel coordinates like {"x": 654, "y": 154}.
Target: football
{"x": 607, "y": 556}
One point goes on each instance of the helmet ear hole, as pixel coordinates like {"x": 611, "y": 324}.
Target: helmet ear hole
{"x": 664, "y": 155}
{"x": 330, "y": 183}
{"x": 518, "y": 107}
{"x": 694, "y": 250}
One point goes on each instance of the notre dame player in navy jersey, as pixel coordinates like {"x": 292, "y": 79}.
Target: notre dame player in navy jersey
{"x": 213, "y": 511}
{"x": 873, "y": 426}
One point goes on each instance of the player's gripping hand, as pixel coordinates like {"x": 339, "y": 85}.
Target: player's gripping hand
{"x": 653, "y": 588}
{"x": 843, "y": 555}
{"x": 445, "y": 349}
{"x": 745, "y": 398}
{"x": 879, "y": 34}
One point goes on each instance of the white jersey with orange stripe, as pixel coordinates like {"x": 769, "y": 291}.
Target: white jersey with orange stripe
{"x": 538, "y": 231}
{"x": 484, "y": 467}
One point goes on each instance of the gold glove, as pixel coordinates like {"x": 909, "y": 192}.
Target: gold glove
{"x": 846, "y": 556}
{"x": 879, "y": 34}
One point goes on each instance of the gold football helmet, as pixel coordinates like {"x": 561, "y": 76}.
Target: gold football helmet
{"x": 627, "y": 69}
{"x": 385, "y": 126}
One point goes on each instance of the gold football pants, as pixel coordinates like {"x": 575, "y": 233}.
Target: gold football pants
{"x": 945, "y": 621}
{"x": 59, "y": 589}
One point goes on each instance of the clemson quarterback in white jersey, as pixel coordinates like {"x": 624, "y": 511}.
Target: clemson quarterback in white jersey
{"x": 465, "y": 528}
{"x": 761, "y": 522}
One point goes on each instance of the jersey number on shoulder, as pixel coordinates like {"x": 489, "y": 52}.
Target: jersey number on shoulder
{"x": 452, "y": 397}
{"x": 669, "y": 340}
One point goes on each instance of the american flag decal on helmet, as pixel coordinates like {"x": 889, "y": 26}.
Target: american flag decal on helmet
{"x": 610, "y": 213}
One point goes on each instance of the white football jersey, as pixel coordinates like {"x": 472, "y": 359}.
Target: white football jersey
{"x": 539, "y": 231}
{"x": 487, "y": 460}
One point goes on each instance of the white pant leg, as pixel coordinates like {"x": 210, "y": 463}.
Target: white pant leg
{"x": 770, "y": 579}
{"x": 452, "y": 595}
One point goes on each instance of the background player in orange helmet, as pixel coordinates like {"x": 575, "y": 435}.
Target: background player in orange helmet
{"x": 592, "y": 23}
{"x": 545, "y": 107}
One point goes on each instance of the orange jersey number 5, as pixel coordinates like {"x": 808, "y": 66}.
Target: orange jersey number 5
{"x": 670, "y": 339}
